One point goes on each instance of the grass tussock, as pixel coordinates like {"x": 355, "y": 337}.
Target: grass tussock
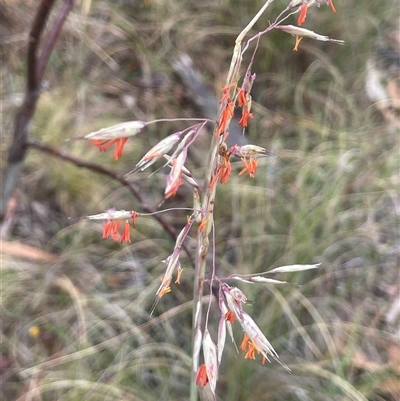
{"x": 78, "y": 326}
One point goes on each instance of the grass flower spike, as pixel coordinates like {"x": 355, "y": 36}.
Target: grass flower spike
{"x": 173, "y": 263}
{"x": 299, "y": 33}
{"x": 249, "y": 151}
{"x": 112, "y": 223}
{"x": 303, "y": 8}
{"x": 174, "y": 150}
{"x": 115, "y": 135}
{"x": 254, "y": 340}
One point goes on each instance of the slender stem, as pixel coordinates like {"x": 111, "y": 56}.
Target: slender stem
{"x": 160, "y": 120}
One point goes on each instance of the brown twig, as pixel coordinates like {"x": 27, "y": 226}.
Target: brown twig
{"x": 133, "y": 189}
{"x": 35, "y": 71}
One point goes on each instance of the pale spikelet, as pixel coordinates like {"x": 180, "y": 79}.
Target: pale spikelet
{"x": 258, "y": 339}
{"x": 111, "y": 214}
{"x": 235, "y": 298}
{"x": 294, "y": 268}
{"x": 234, "y": 306}
{"x": 189, "y": 178}
{"x": 302, "y": 32}
{"x": 221, "y": 337}
{"x": 238, "y": 295}
{"x": 156, "y": 152}
{"x": 210, "y": 360}
{"x": 197, "y": 205}
{"x": 248, "y": 81}
{"x": 297, "y": 3}
{"x": 122, "y": 130}
{"x": 224, "y": 310}
{"x": 258, "y": 279}
{"x": 186, "y": 142}
{"x": 174, "y": 179}
{"x": 186, "y": 174}
{"x": 172, "y": 262}
{"x": 250, "y": 150}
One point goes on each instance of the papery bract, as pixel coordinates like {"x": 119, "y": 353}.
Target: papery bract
{"x": 210, "y": 359}
{"x": 156, "y": 152}
{"x": 174, "y": 180}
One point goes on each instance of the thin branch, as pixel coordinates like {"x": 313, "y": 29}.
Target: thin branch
{"x": 133, "y": 189}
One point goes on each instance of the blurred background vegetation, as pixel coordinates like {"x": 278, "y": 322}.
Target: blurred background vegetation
{"x": 75, "y": 321}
